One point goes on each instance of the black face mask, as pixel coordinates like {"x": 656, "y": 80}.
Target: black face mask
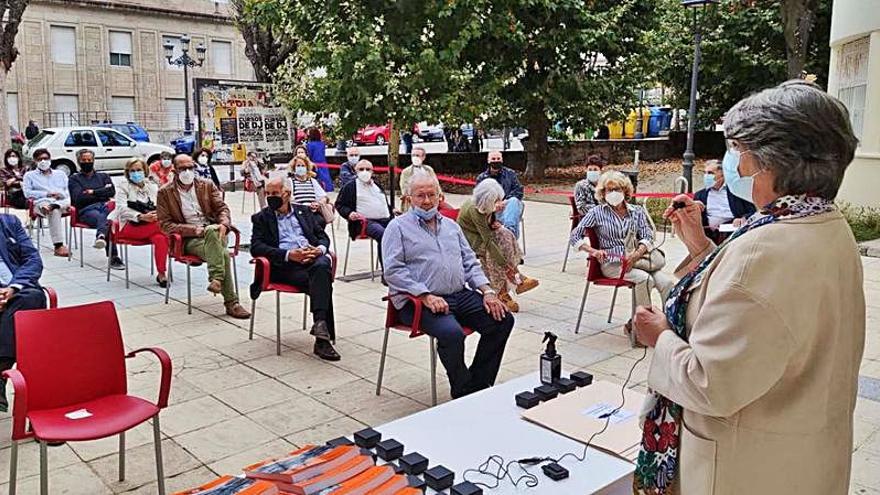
{"x": 274, "y": 202}
{"x": 87, "y": 167}
{"x": 495, "y": 167}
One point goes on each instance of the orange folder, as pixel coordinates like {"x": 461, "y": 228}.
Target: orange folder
{"x": 232, "y": 485}
{"x": 390, "y": 487}
{"x": 302, "y": 464}
{"x": 334, "y": 477}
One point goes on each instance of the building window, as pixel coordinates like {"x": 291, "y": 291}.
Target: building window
{"x": 852, "y": 72}
{"x": 66, "y": 111}
{"x": 122, "y": 109}
{"x": 120, "y": 48}
{"x": 221, "y": 57}
{"x": 63, "y": 41}
{"x": 12, "y": 109}
{"x": 174, "y": 40}
{"x": 175, "y": 113}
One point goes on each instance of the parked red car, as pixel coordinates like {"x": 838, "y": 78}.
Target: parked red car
{"x": 372, "y": 134}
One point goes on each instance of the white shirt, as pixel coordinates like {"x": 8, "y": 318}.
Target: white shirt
{"x": 718, "y": 207}
{"x": 189, "y": 206}
{"x": 371, "y": 202}
{"x": 253, "y": 167}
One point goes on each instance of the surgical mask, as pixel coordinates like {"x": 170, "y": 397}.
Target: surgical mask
{"x": 614, "y": 198}
{"x": 274, "y": 202}
{"x": 417, "y": 161}
{"x": 365, "y": 176}
{"x": 137, "y": 176}
{"x": 741, "y": 187}
{"x": 300, "y": 170}
{"x": 354, "y": 159}
{"x": 44, "y": 165}
{"x": 87, "y": 167}
{"x": 12, "y": 161}
{"x": 166, "y": 163}
{"x": 593, "y": 176}
{"x": 425, "y": 214}
{"x": 709, "y": 181}
{"x": 186, "y": 177}
{"x": 203, "y": 160}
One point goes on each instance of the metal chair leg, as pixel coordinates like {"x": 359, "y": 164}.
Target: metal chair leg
{"x": 333, "y": 236}
{"x": 160, "y": 470}
{"x": 189, "y": 304}
{"x": 125, "y": 253}
{"x": 632, "y": 335}
{"x": 81, "y": 250}
{"x": 567, "y": 250}
{"x": 347, "y": 249}
{"x": 122, "y": 456}
{"x": 613, "y": 301}
{"x": 433, "y": 348}
{"x": 44, "y": 469}
{"x": 577, "y": 327}
{"x": 235, "y": 274}
{"x": 382, "y": 361}
{"x": 522, "y": 231}
{"x": 305, "y": 310}
{"x": 13, "y": 467}
{"x": 170, "y": 280}
{"x": 152, "y": 260}
{"x": 253, "y": 317}
{"x": 108, "y": 262}
{"x": 277, "y": 323}
{"x": 372, "y": 264}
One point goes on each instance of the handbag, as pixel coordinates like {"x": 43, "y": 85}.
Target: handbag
{"x": 328, "y": 213}
{"x": 653, "y": 260}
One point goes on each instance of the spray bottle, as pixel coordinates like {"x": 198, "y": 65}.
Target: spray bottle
{"x": 551, "y": 361}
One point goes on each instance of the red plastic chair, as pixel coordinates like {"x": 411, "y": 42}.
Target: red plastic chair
{"x": 575, "y": 218}
{"x": 594, "y": 276}
{"x": 262, "y": 276}
{"x": 37, "y": 221}
{"x": 76, "y": 224}
{"x": 450, "y": 213}
{"x": 175, "y": 253}
{"x": 70, "y": 384}
{"x": 249, "y": 187}
{"x": 392, "y": 320}
{"x": 373, "y": 261}
{"x": 115, "y": 237}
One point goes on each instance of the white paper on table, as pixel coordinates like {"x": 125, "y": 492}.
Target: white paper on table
{"x": 726, "y": 227}
{"x": 78, "y": 414}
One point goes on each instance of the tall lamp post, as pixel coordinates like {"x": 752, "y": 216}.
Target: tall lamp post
{"x": 688, "y": 158}
{"x": 185, "y": 61}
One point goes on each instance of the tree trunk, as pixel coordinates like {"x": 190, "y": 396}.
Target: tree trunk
{"x": 536, "y": 146}
{"x": 393, "y": 157}
{"x": 4, "y": 111}
{"x": 798, "y": 18}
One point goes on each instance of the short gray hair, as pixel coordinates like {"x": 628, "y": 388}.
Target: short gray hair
{"x": 83, "y": 152}
{"x": 486, "y": 194}
{"x": 713, "y": 164}
{"x": 800, "y": 133}
{"x": 419, "y": 177}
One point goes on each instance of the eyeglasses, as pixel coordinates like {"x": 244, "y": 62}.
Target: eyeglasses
{"x": 425, "y": 196}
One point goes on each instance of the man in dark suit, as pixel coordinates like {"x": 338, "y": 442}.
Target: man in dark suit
{"x": 297, "y": 247}
{"x": 722, "y": 206}
{"x": 20, "y": 271}
{"x": 363, "y": 200}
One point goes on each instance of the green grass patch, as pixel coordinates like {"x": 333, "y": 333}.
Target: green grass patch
{"x": 864, "y": 221}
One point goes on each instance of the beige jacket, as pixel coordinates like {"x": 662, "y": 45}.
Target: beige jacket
{"x": 769, "y": 378}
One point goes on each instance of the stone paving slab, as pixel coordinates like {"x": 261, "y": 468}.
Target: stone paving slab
{"x": 234, "y": 402}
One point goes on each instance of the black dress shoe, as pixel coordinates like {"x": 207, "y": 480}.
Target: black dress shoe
{"x": 116, "y": 263}
{"x": 320, "y": 331}
{"x": 324, "y": 350}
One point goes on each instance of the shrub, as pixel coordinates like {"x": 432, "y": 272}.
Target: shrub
{"x": 864, "y": 221}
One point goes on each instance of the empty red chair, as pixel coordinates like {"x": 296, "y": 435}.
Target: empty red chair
{"x": 594, "y": 276}
{"x": 392, "y": 320}
{"x": 76, "y": 224}
{"x": 262, "y": 273}
{"x": 70, "y": 384}
{"x": 175, "y": 253}
{"x": 575, "y": 218}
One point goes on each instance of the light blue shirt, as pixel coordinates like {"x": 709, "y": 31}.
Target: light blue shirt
{"x": 5, "y": 274}
{"x": 38, "y": 185}
{"x": 418, "y": 261}
{"x": 290, "y": 232}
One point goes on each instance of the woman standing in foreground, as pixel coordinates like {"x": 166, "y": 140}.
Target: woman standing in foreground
{"x": 757, "y": 351}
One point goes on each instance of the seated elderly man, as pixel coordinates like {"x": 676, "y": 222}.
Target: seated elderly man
{"x": 290, "y": 236}
{"x": 194, "y": 208}
{"x": 48, "y": 189}
{"x": 722, "y": 206}
{"x": 428, "y": 257}
{"x": 363, "y": 200}
{"x": 512, "y": 208}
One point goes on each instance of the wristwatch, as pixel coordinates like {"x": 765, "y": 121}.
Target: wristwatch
{"x": 489, "y": 291}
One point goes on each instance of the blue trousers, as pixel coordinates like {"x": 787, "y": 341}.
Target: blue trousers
{"x": 465, "y": 309}
{"x": 95, "y": 216}
{"x": 512, "y": 215}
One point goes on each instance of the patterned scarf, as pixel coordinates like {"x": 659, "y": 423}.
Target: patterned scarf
{"x": 657, "y": 465}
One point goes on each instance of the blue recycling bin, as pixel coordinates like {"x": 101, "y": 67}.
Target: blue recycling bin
{"x": 667, "y": 119}
{"x": 655, "y": 122}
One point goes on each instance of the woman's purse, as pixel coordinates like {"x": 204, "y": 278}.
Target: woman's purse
{"x": 328, "y": 213}
{"x": 652, "y": 261}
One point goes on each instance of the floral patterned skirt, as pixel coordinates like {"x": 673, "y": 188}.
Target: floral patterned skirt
{"x": 496, "y": 273}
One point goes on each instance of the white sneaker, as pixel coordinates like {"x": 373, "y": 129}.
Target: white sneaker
{"x": 100, "y": 243}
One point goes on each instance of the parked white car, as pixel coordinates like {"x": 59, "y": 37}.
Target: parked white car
{"x": 111, "y": 147}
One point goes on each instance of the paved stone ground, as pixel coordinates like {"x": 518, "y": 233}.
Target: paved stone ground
{"x": 234, "y": 402}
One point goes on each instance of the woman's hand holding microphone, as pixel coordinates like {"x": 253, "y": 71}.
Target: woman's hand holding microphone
{"x": 686, "y": 216}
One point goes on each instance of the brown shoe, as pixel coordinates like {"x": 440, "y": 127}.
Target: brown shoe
{"x": 62, "y": 252}
{"x": 236, "y": 310}
{"x": 527, "y": 285}
{"x": 215, "y": 287}
{"x": 508, "y": 301}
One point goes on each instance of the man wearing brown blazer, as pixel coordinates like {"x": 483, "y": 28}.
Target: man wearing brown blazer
{"x": 194, "y": 209}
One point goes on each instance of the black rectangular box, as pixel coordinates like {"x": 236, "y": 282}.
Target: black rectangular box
{"x": 390, "y": 449}
{"x": 340, "y": 442}
{"x": 439, "y": 478}
{"x": 417, "y": 483}
{"x": 527, "y": 399}
{"x": 466, "y": 488}
{"x": 582, "y": 378}
{"x": 414, "y": 463}
{"x": 565, "y": 385}
{"x": 367, "y": 438}
{"x": 546, "y": 392}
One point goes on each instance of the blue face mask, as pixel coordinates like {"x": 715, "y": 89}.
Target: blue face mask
{"x": 425, "y": 214}
{"x": 137, "y": 176}
{"x": 709, "y": 181}
{"x": 741, "y": 187}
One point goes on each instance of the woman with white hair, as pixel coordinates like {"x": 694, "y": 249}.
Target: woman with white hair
{"x": 625, "y": 237}
{"x": 494, "y": 245}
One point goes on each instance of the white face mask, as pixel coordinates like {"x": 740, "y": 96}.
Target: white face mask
{"x": 593, "y": 176}
{"x": 44, "y": 165}
{"x": 186, "y": 177}
{"x": 166, "y": 163}
{"x": 417, "y": 161}
{"x": 300, "y": 171}
{"x": 13, "y": 160}
{"x": 203, "y": 160}
{"x": 354, "y": 159}
{"x": 614, "y": 198}
{"x": 365, "y": 176}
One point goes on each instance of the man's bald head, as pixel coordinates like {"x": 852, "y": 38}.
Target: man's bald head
{"x": 278, "y": 185}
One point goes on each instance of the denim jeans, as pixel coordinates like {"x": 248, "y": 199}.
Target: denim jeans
{"x": 512, "y": 215}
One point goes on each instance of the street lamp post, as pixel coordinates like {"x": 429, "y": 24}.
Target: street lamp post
{"x": 688, "y": 157}
{"x": 185, "y": 61}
